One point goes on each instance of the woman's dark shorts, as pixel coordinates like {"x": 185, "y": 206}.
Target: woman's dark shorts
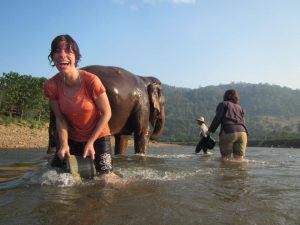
{"x": 103, "y": 154}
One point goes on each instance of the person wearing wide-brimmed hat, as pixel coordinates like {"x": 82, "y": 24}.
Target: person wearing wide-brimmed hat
{"x": 202, "y": 133}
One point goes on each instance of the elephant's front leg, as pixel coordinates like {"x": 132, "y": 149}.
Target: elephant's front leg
{"x": 121, "y": 143}
{"x": 141, "y": 140}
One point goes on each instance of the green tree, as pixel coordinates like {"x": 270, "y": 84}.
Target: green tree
{"x": 10, "y": 93}
{"x": 22, "y": 96}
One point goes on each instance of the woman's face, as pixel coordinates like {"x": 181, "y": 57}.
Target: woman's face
{"x": 64, "y": 58}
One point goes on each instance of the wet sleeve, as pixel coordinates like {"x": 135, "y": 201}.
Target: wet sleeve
{"x": 220, "y": 111}
{"x": 50, "y": 90}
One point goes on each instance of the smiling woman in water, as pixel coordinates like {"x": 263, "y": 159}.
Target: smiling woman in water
{"x": 81, "y": 107}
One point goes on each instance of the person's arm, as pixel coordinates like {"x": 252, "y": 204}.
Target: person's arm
{"x": 204, "y": 131}
{"x": 200, "y": 132}
{"x": 62, "y": 128}
{"x": 103, "y": 106}
{"x": 220, "y": 111}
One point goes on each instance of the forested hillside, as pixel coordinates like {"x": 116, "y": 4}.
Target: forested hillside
{"x": 272, "y": 111}
{"x": 22, "y": 97}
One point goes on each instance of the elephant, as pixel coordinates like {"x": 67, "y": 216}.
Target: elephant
{"x": 137, "y": 104}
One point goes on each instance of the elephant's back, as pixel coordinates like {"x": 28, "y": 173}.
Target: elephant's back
{"x": 114, "y": 77}
{"x": 109, "y": 72}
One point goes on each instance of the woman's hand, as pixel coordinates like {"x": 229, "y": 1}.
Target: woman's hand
{"x": 64, "y": 151}
{"x": 89, "y": 150}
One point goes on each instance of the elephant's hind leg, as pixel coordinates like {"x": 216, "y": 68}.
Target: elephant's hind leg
{"x": 121, "y": 144}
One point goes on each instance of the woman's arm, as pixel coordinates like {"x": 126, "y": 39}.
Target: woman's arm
{"x": 217, "y": 119}
{"x": 103, "y": 106}
{"x": 62, "y": 128}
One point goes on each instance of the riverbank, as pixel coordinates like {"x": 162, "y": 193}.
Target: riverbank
{"x": 21, "y": 136}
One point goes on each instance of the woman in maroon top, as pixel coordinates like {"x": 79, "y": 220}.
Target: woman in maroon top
{"x": 233, "y": 135}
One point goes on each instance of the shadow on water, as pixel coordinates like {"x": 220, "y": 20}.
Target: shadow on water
{"x": 14, "y": 175}
{"x": 16, "y": 165}
{"x": 166, "y": 186}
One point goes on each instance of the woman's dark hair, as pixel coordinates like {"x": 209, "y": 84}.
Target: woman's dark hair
{"x": 231, "y": 95}
{"x": 71, "y": 44}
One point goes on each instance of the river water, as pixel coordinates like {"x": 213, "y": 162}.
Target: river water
{"x": 167, "y": 186}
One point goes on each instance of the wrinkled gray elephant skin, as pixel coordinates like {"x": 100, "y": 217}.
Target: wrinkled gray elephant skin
{"x": 137, "y": 105}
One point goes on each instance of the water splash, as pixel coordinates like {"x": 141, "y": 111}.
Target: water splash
{"x": 171, "y": 156}
{"x": 140, "y": 173}
{"x": 53, "y": 178}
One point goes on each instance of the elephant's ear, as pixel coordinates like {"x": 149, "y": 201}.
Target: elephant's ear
{"x": 154, "y": 93}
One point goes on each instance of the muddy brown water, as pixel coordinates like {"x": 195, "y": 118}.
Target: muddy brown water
{"x": 167, "y": 186}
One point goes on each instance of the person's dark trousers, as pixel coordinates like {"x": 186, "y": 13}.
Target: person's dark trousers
{"x": 201, "y": 145}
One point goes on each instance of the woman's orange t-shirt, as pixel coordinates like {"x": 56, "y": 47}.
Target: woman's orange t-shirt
{"x": 79, "y": 110}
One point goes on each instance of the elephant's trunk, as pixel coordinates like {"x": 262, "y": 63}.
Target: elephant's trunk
{"x": 158, "y": 126}
{"x": 157, "y": 109}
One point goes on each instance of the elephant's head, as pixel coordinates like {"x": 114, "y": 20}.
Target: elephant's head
{"x": 157, "y": 109}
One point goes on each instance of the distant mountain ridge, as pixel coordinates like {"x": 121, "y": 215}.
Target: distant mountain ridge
{"x": 271, "y": 111}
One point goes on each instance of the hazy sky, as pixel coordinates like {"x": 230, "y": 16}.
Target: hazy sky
{"x": 184, "y": 43}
